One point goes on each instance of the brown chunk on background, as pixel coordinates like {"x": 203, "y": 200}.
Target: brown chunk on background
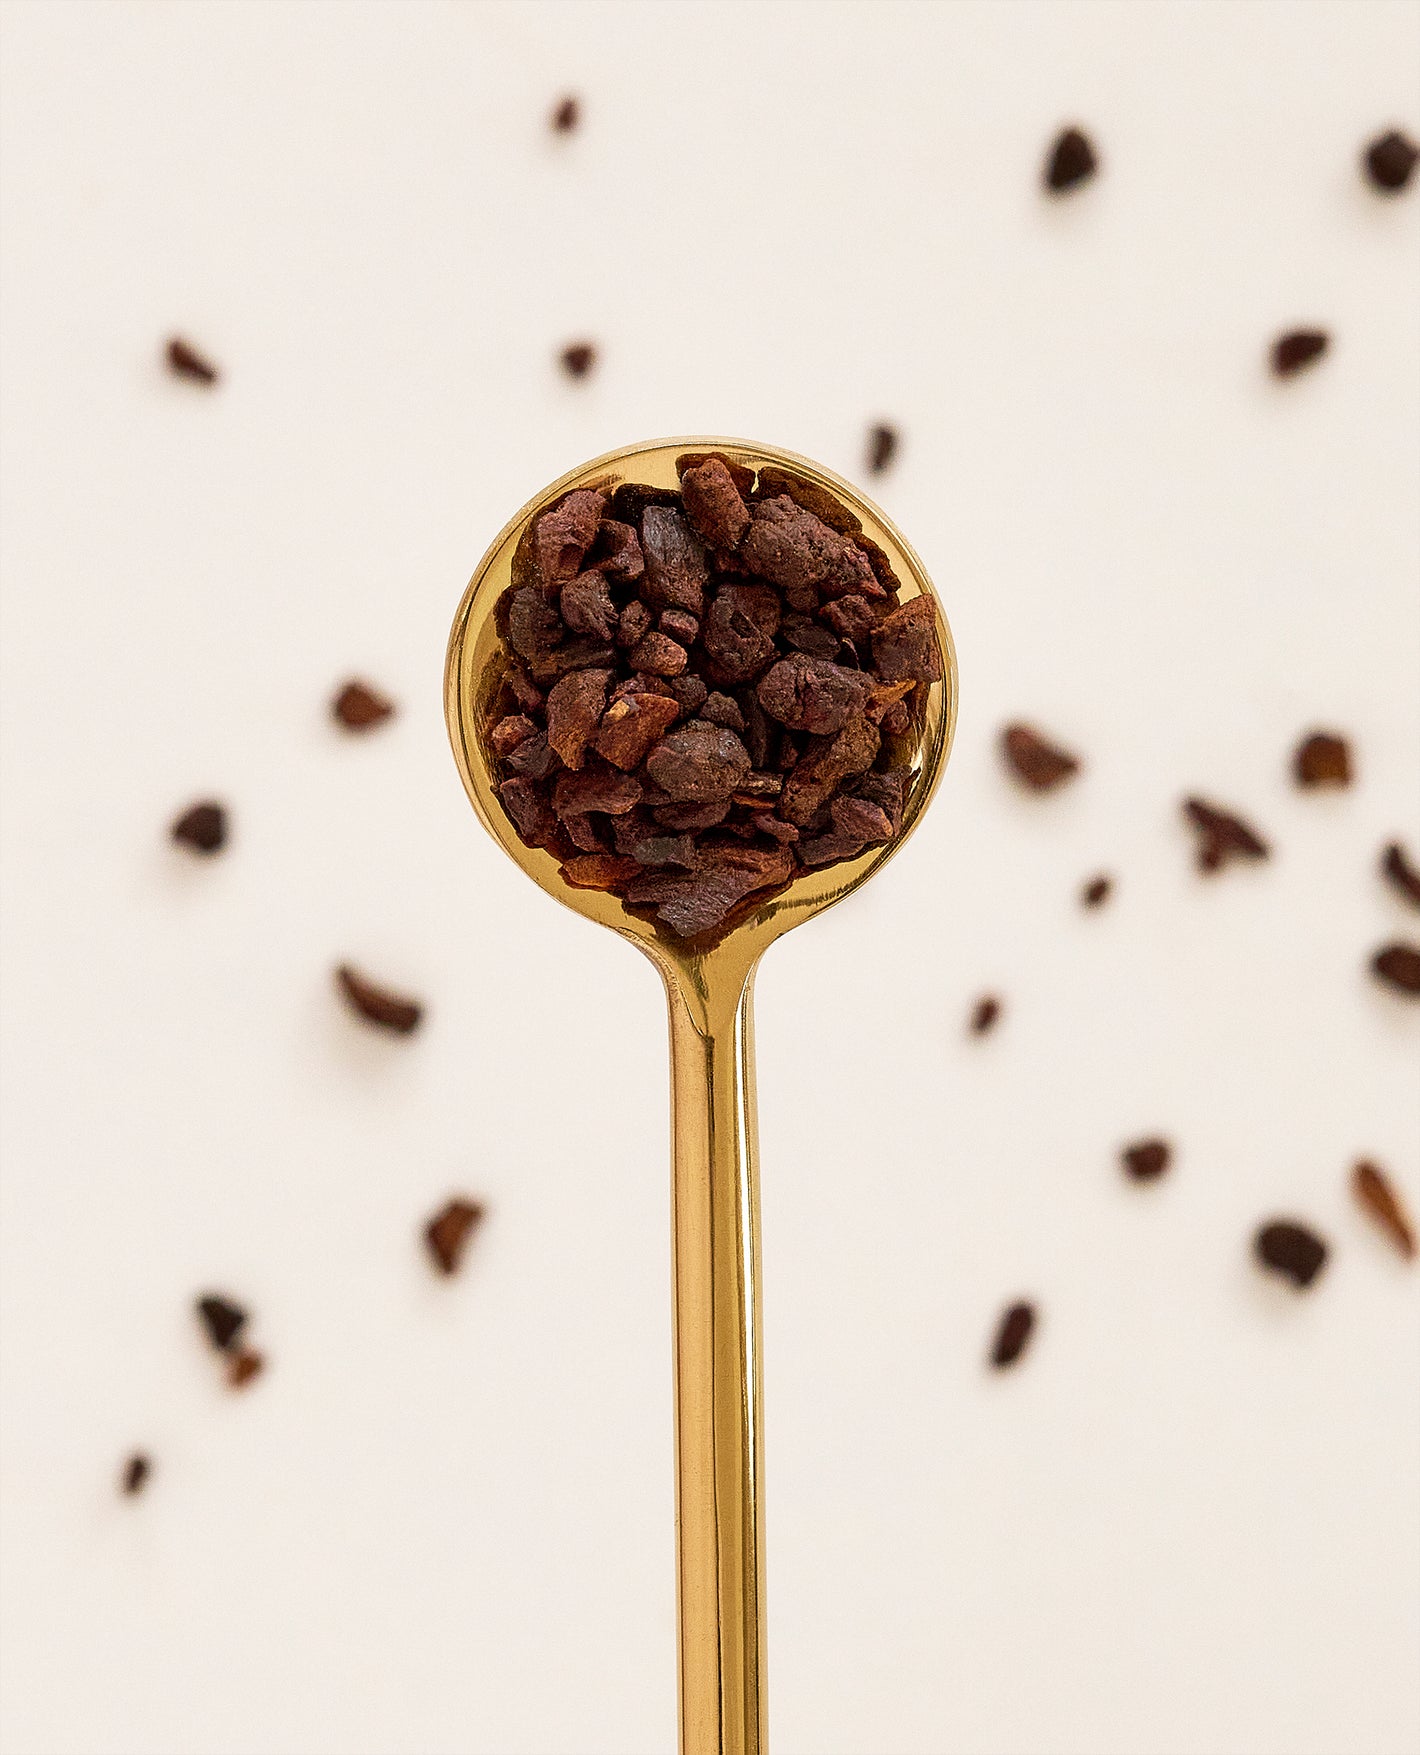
{"x": 447, "y": 1234}
{"x": 631, "y": 726}
{"x": 358, "y": 706}
{"x": 882, "y": 448}
{"x": 1035, "y": 760}
{"x": 1146, "y": 1160}
{"x": 714, "y": 504}
{"x": 1399, "y": 872}
{"x": 1070, "y": 162}
{"x": 1296, "y": 349}
{"x": 578, "y": 358}
{"x": 378, "y": 1005}
{"x": 1397, "y": 965}
{"x": 1322, "y": 759}
{"x": 243, "y": 1365}
{"x": 202, "y": 827}
{"x": 1290, "y": 1249}
{"x": 1097, "y": 891}
{"x": 184, "y": 361}
{"x": 136, "y": 1470}
{"x": 566, "y": 115}
{"x": 222, "y": 1320}
{"x": 1013, "y": 1334}
{"x": 984, "y": 1014}
{"x": 1377, "y": 1195}
{"x": 1390, "y": 160}
{"x": 1221, "y": 835}
{"x": 574, "y": 708}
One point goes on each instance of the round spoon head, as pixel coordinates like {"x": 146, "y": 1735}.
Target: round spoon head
{"x": 474, "y": 671}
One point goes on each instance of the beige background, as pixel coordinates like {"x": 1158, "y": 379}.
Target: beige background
{"x": 441, "y": 1525}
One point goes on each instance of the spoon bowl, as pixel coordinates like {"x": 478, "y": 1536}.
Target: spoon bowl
{"x": 715, "y": 1183}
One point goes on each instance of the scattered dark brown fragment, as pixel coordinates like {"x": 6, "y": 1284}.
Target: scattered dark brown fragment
{"x": 1071, "y": 161}
{"x": 1013, "y": 1334}
{"x": 358, "y": 706}
{"x": 1398, "y": 871}
{"x": 202, "y": 827}
{"x": 1290, "y": 1249}
{"x": 378, "y": 1005}
{"x": 578, "y": 359}
{"x": 1146, "y": 1160}
{"x": 136, "y": 1471}
{"x": 448, "y": 1232}
{"x": 566, "y": 115}
{"x": 1323, "y": 758}
{"x": 1377, "y": 1195}
{"x": 1034, "y": 760}
{"x": 882, "y": 448}
{"x": 1222, "y": 836}
{"x": 984, "y": 1014}
{"x": 223, "y": 1320}
{"x": 1097, "y": 891}
{"x": 1390, "y": 160}
{"x": 1398, "y": 966}
{"x": 1296, "y": 349}
{"x": 186, "y": 362}
{"x": 243, "y": 1365}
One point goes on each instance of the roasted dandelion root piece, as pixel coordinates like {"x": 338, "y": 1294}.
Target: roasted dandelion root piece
{"x": 448, "y": 1233}
{"x": 202, "y": 827}
{"x": 1222, "y": 836}
{"x": 1377, "y": 1196}
{"x": 1400, "y": 873}
{"x": 378, "y": 1005}
{"x": 1292, "y": 1250}
{"x": 1013, "y": 1334}
{"x": 706, "y": 693}
{"x": 1297, "y": 349}
{"x": 1390, "y": 160}
{"x": 1322, "y": 759}
{"x": 1146, "y": 1160}
{"x": 184, "y": 361}
{"x": 1035, "y": 760}
{"x": 1097, "y": 891}
{"x": 1071, "y": 161}
{"x": 358, "y": 706}
{"x": 222, "y": 1320}
{"x": 985, "y": 1014}
{"x": 1397, "y": 966}
{"x": 136, "y": 1471}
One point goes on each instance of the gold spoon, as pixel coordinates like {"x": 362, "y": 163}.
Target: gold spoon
{"x": 715, "y": 1174}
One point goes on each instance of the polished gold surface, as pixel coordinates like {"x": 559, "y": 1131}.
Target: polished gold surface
{"x": 715, "y": 1173}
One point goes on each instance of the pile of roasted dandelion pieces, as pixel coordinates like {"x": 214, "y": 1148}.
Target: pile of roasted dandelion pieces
{"x": 706, "y": 692}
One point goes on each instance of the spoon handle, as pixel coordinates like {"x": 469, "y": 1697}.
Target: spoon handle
{"x": 719, "y": 1442}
